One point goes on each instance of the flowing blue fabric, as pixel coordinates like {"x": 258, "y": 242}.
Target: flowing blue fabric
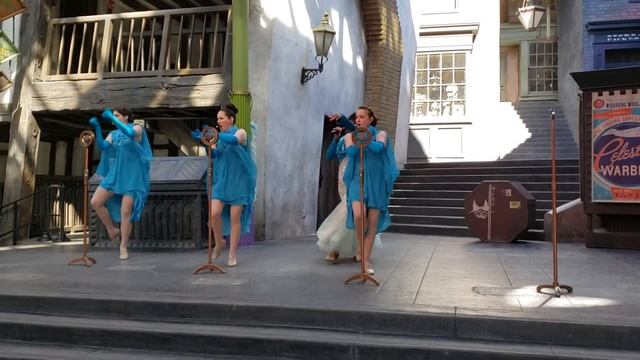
{"x": 234, "y": 180}
{"x": 125, "y": 167}
{"x": 336, "y": 149}
{"x": 380, "y": 172}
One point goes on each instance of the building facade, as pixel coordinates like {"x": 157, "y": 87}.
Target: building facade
{"x": 609, "y": 35}
{"x": 172, "y": 63}
{"x": 457, "y": 110}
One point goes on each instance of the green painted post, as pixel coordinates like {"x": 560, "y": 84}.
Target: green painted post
{"x": 240, "y": 95}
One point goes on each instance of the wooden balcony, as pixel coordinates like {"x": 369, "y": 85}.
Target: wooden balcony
{"x": 159, "y": 58}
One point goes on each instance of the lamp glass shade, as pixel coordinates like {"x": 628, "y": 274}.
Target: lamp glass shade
{"x": 323, "y": 36}
{"x": 5, "y": 83}
{"x": 7, "y": 49}
{"x": 530, "y": 16}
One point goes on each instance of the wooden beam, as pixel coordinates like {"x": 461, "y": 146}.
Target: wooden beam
{"x": 124, "y": 6}
{"x": 154, "y": 92}
{"x": 179, "y": 134}
{"x": 24, "y": 135}
{"x": 171, "y": 4}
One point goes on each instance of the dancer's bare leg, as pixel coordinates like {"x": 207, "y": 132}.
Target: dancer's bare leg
{"x": 372, "y": 226}
{"x": 216, "y": 217}
{"x": 357, "y": 219}
{"x": 125, "y": 225}
{"x": 236, "y": 214}
{"x": 98, "y": 200}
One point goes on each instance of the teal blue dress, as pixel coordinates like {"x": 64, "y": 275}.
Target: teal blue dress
{"x": 125, "y": 167}
{"x": 234, "y": 180}
{"x": 380, "y": 172}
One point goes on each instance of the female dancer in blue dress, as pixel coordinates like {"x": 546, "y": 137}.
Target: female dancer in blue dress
{"x": 124, "y": 166}
{"x": 380, "y": 171}
{"x": 234, "y": 183}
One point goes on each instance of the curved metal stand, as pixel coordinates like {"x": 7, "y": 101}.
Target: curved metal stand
{"x": 362, "y": 137}
{"x": 86, "y": 139}
{"x": 557, "y": 288}
{"x": 209, "y": 138}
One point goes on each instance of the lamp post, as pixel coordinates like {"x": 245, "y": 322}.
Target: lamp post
{"x": 323, "y": 37}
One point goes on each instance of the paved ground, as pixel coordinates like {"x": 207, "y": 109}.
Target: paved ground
{"x": 417, "y": 273}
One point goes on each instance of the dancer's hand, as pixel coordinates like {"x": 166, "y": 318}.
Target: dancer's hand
{"x": 337, "y": 132}
{"x": 334, "y": 117}
{"x": 94, "y": 122}
{"x": 196, "y": 134}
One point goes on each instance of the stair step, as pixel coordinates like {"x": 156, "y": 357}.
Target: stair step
{"x": 263, "y": 331}
{"x": 278, "y": 343}
{"x": 40, "y": 351}
{"x": 428, "y": 220}
{"x": 454, "y": 178}
{"x": 540, "y": 169}
{"x": 414, "y": 163}
{"x": 426, "y": 202}
{"x": 440, "y": 210}
{"x": 469, "y": 186}
{"x": 453, "y": 194}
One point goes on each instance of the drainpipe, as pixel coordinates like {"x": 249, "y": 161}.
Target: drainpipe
{"x": 240, "y": 95}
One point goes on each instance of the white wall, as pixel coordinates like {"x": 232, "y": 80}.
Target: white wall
{"x": 406, "y": 80}
{"x": 290, "y": 115}
{"x": 474, "y": 134}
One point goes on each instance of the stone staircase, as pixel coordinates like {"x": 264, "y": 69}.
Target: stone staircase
{"x": 53, "y": 327}
{"x": 429, "y": 197}
{"x": 536, "y": 116}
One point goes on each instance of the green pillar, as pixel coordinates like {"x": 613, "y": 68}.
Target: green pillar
{"x": 240, "y": 95}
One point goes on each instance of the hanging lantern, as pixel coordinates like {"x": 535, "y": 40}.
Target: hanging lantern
{"x": 530, "y": 15}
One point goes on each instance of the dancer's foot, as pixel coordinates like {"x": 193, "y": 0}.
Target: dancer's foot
{"x": 218, "y": 249}
{"x": 124, "y": 255}
{"x": 358, "y": 257}
{"x": 114, "y": 235}
{"x": 232, "y": 261}
{"x": 333, "y": 257}
{"x": 370, "y": 269}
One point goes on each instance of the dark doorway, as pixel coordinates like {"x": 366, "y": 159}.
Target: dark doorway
{"x": 328, "y": 197}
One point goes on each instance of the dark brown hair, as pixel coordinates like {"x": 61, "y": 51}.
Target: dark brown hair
{"x": 374, "y": 120}
{"x": 230, "y": 110}
{"x": 126, "y": 112}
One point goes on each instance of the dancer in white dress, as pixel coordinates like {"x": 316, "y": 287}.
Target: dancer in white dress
{"x": 333, "y": 236}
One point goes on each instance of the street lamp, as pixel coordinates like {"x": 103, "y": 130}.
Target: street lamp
{"x": 530, "y": 15}
{"x": 323, "y": 37}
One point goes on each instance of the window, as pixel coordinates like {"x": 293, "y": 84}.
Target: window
{"x": 440, "y": 6}
{"x": 543, "y": 66}
{"x": 614, "y": 58}
{"x": 439, "y": 89}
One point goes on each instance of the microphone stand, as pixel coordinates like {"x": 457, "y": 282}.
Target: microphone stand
{"x": 209, "y": 138}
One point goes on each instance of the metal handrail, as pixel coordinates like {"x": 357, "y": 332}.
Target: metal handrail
{"x": 14, "y": 227}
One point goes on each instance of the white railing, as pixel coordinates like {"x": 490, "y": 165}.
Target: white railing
{"x": 146, "y": 43}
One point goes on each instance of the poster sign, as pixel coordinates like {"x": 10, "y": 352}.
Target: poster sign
{"x": 615, "y": 160}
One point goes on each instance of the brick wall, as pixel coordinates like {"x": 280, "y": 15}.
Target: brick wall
{"x": 384, "y": 60}
{"x": 599, "y": 10}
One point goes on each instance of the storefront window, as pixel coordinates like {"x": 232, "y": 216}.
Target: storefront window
{"x": 440, "y": 82}
{"x": 543, "y": 66}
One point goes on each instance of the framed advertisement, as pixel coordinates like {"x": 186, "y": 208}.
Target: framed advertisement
{"x": 615, "y": 144}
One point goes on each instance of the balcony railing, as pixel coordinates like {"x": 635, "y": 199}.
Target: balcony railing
{"x": 147, "y": 43}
